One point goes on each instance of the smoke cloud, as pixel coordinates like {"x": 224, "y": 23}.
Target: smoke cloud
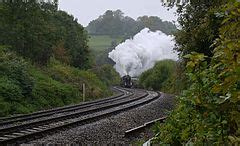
{"x": 139, "y": 54}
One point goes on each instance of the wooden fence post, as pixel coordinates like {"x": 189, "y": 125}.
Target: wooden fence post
{"x": 84, "y": 92}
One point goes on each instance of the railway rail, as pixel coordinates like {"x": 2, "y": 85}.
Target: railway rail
{"x": 19, "y": 118}
{"x": 19, "y": 129}
{"x": 144, "y": 126}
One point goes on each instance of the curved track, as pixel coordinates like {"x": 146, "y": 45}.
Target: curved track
{"x": 27, "y": 127}
{"x": 24, "y": 117}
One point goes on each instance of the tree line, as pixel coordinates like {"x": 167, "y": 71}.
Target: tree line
{"x": 38, "y": 31}
{"x": 114, "y": 23}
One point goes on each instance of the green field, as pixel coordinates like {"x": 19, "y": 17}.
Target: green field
{"x": 102, "y": 42}
{"x": 100, "y": 45}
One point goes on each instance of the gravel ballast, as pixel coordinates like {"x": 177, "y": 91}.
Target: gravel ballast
{"x": 111, "y": 129}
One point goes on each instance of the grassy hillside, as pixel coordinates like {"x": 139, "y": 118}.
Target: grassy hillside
{"x": 25, "y": 88}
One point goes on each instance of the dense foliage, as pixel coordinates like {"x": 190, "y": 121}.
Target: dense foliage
{"x": 157, "y": 76}
{"x": 199, "y": 27}
{"x": 25, "y": 88}
{"x": 38, "y": 31}
{"x": 42, "y": 51}
{"x": 107, "y": 74}
{"x": 208, "y": 111}
{"x": 114, "y": 23}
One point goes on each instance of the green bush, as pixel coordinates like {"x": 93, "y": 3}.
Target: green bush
{"x": 9, "y": 90}
{"x": 51, "y": 93}
{"x": 26, "y": 88}
{"x": 158, "y": 75}
{"x": 15, "y": 83}
{"x": 5, "y": 107}
{"x": 107, "y": 74}
{"x": 177, "y": 82}
{"x": 16, "y": 69}
{"x": 95, "y": 88}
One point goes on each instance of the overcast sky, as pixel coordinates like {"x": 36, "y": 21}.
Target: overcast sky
{"x": 87, "y": 10}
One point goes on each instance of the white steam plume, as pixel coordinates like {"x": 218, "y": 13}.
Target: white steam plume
{"x": 139, "y": 54}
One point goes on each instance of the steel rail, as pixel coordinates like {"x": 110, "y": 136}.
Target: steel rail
{"x": 39, "y": 130}
{"x": 145, "y": 125}
{"x": 41, "y": 114}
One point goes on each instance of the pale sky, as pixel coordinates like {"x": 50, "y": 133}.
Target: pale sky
{"x": 88, "y": 10}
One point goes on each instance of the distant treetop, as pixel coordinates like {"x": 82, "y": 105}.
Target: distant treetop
{"x": 114, "y": 23}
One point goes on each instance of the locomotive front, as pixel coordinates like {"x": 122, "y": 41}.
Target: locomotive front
{"x": 126, "y": 81}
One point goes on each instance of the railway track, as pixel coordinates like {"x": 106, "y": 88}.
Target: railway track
{"x": 19, "y": 129}
{"x": 134, "y": 133}
{"x": 21, "y": 118}
{"x": 144, "y": 126}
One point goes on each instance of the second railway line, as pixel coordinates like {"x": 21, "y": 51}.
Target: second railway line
{"x": 39, "y": 126}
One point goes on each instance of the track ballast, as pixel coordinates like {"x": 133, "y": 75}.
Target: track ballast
{"x": 23, "y": 128}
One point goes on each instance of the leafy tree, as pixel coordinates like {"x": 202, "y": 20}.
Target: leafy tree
{"x": 156, "y": 77}
{"x": 155, "y": 23}
{"x": 199, "y": 27}
{"x": 177, "y": 82}
{"x": 208, "y": 111}
{"x": 37, "y": 30}
{"x": 61, "y": 54}
{"x": 114, "y": 23}
{"x": 74, "y": 39}
{"x": 28, "y": 28}
{"x": 32, "y": 34}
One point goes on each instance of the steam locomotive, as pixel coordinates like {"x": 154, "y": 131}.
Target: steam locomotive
{"x": 126, "y": 81}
